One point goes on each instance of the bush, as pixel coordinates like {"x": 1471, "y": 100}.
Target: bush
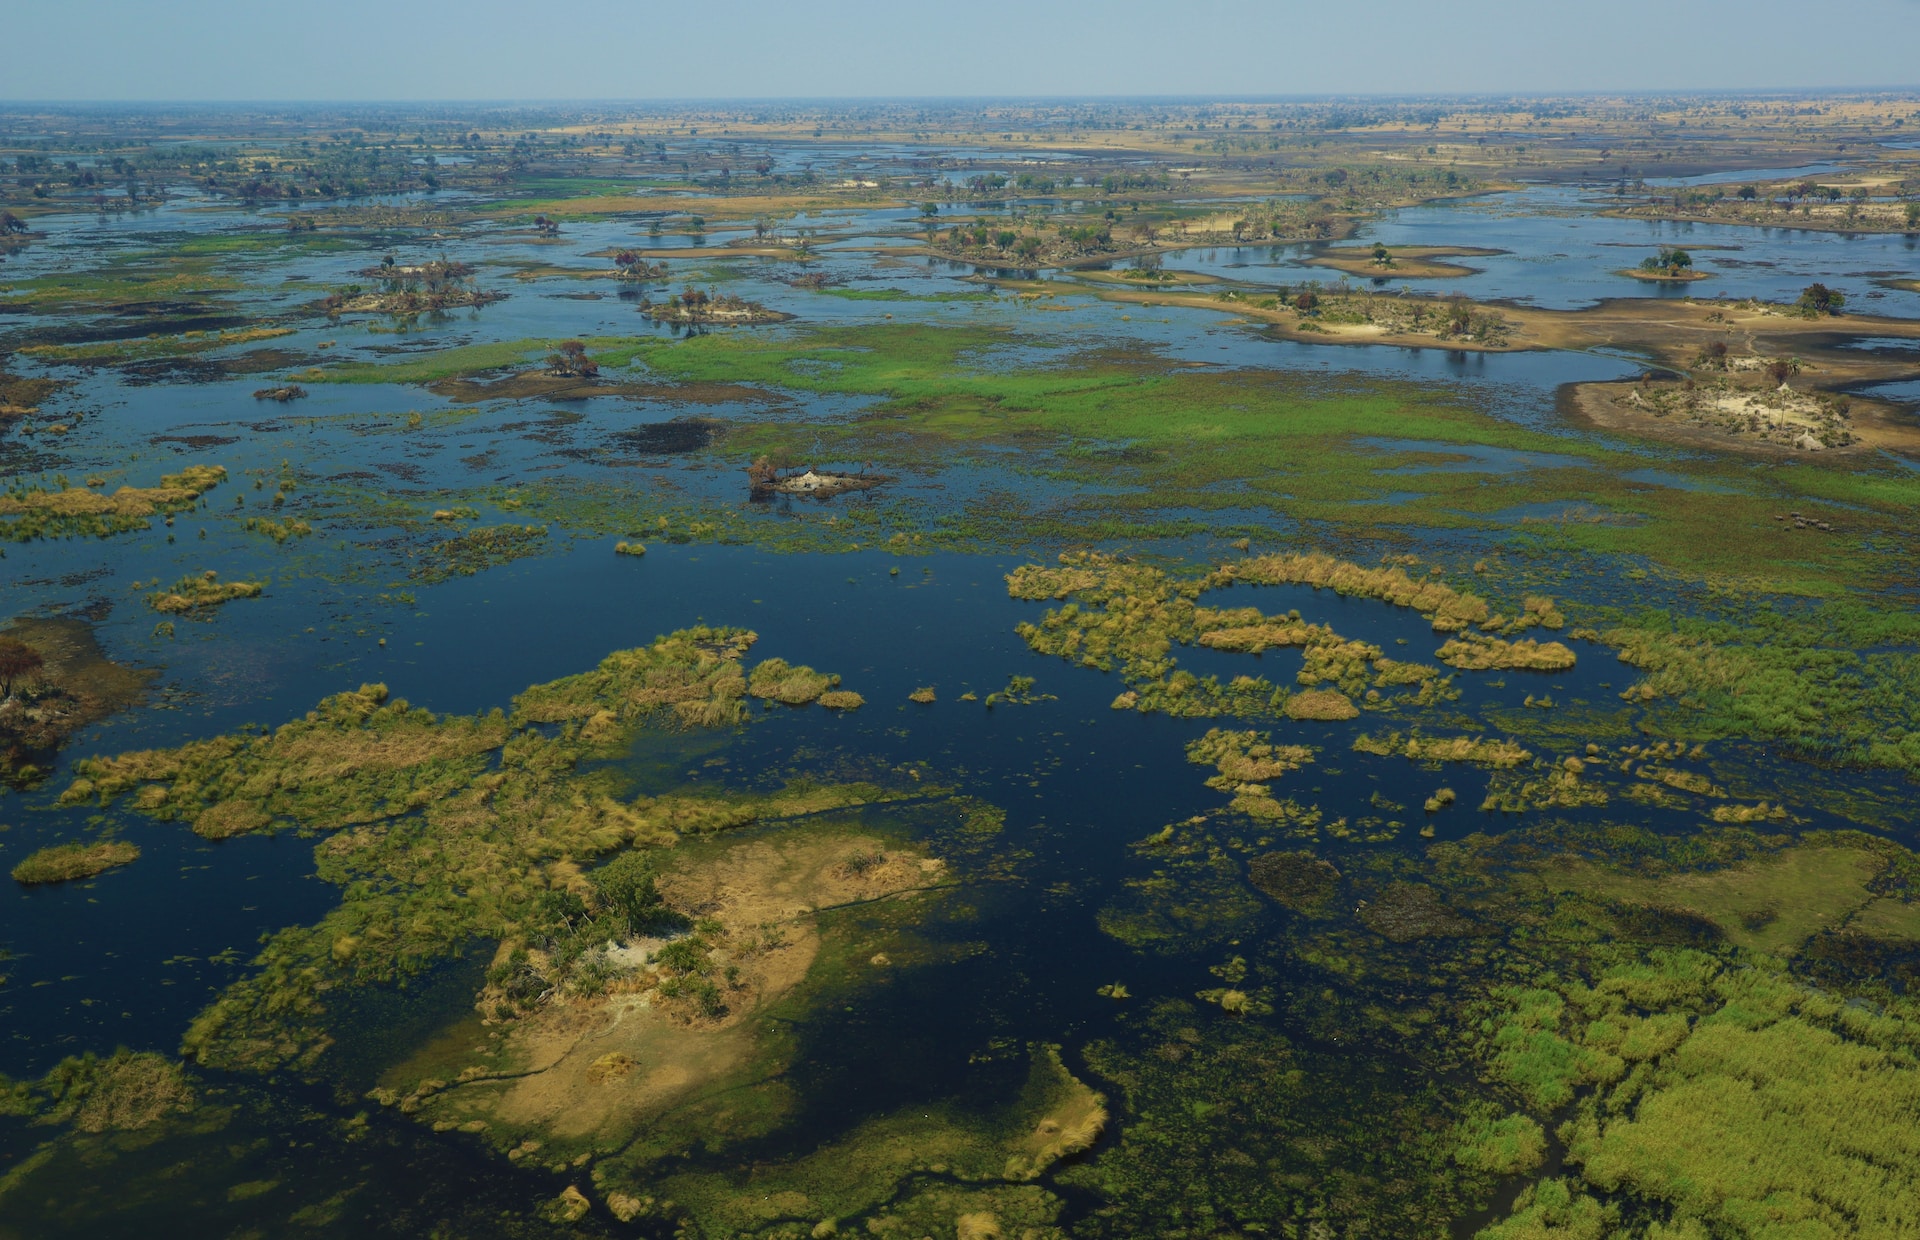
{"x": 626, "y": 892}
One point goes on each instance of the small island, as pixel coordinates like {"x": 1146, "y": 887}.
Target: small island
{"x": 1407, "y": 262}
{"x": 1668, "y": 267}
{"x": 65, "y": 862}
{"x": 408, "y": 290}
{"x": 765, "y": 482}
{"x": 693, "y": 307}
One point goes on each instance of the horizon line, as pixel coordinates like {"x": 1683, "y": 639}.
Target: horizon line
{"x": 1234, "y": 97}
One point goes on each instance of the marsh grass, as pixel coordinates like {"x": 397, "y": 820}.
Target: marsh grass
{"x": 61, "y": 510}
{"x": 1126, "y": 616}
{"x": 776, "y": 681}
{"x": 125, "y": 1091}
{"x": 1716, "y": 1094}
{"x": 1475, "y": 653}
{"x": 62, "y": 863}
{"x": 477, "y": 550}
{"x": 119, "y": 352}
{"x": 201, "y": 592}
{"x": 447, "y": 829}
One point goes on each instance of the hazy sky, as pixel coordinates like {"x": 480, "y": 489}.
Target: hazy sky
{"x": 643, "y": 49}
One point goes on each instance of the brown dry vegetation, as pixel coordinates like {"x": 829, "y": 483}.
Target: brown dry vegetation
{"x": 600, "y": 1068}
{"x": 76, "y": 685}
{"x": 63, "y": 509}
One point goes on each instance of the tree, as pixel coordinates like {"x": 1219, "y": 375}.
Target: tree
{"x": 929, "y": 209}
{"x": 625, "y": 891}
{"x": 1913, "y": 215}
{"x": 18, "y": 661}
{"x": 1817, "y": 299}
{"x": 1748, "y": 192}
{"x": 571, "y": 360}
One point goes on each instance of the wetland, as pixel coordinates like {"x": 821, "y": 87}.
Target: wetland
{"x": 1144, "y": 670}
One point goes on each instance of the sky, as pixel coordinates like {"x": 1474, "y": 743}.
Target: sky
{"x": 408, "y": 50}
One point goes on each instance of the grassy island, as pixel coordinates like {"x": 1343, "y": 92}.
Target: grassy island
{"x": 64, "y": 863}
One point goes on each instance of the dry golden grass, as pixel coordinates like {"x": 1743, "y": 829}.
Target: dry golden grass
{"x": 1480, "y": 654}
{"x": 1475, "y": 749}
{"x": 1321, "y": 704}
{"x": 1434, "y": 598}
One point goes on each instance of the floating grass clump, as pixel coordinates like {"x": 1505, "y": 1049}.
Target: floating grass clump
{"x": 776, "y": 681}
{"x": 478, "y": 549}
{"x": 278, "y": 531}
{"x": 1480, "y": 654}
{"x": 191, "y": 594}
{"x": 1128, "y": 616}
{"x": 61, "y": 510}
{"x": 1447, "y": 607}
{"x": 1245, "y": 757}
{"x": 1478, "y": 750}
{"x": 1321, "y": 704}
{"x": 65, "y": 862}
{"x": 1019, "y": 692}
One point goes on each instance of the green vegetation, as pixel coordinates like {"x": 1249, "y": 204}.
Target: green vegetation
{"x": 1810, "y": 678}
{"x": 477, "y": 550}
{"x": 62, "y": 863}
{"x": 126, "y": 280}
{"x": 1143, "y": 612}
{"x": 122, "y": 1092}
{"x": 1242, "y": 1129}
{"x": 459, "y": 823}
{"x": 1212, "y": 439}
{"x": 775, "y": 681}
{"x": 1738, "y": 1100}
{"x": 119, "y": 352}
{"x": 465, "y": 361}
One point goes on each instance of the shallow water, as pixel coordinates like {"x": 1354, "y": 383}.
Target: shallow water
{"x": 1562, "y": 256}
{"x": 129, "y": 958}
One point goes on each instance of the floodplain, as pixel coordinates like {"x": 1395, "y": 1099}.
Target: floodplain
{"x": 1190, "y": 670}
